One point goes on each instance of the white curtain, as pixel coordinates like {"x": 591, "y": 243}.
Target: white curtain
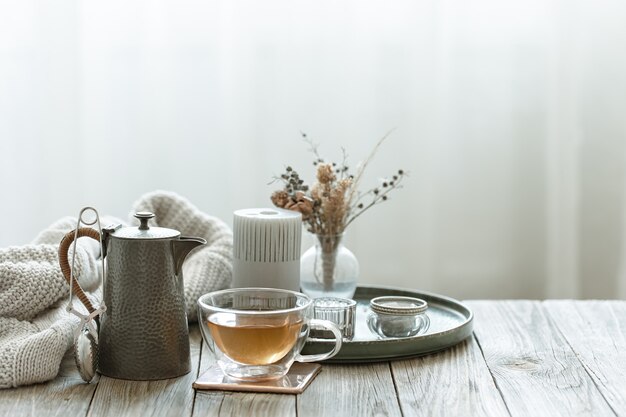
{"x": 510, "y": 117}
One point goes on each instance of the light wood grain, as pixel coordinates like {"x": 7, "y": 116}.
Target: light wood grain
{"x": 556, "y": 358}
{"x": 596, "y": 331}
{"x": 350, "y": 390}
{"x": 534, "y": 368}
{"x": 170, "y": 397}
{"x": 236, "y": 404}
{"x": 67, "y": 395}
{"x": 455, "y": 382}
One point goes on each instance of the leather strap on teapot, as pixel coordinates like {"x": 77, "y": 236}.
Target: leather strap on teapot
{"x": 64, "y": 247}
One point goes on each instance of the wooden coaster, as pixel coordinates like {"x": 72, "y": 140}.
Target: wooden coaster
{"x": 295, "y": 382}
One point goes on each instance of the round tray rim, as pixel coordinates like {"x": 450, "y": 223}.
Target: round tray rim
{"x": 403, "y": 348}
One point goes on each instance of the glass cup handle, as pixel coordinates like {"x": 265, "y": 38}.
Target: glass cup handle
{"x": 425, "y": 323}
{"x": 328, "y": 325}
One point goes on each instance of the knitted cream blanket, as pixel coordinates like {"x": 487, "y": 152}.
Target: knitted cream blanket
{"x": 36, "y": 330}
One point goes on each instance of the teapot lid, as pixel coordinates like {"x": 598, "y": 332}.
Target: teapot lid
{"x": 144, "y": 231}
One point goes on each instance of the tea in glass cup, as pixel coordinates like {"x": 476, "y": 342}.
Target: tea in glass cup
{"x": 258, "y": 333}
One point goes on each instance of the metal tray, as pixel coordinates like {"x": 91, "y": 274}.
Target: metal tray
{"x": 450, "y": 323}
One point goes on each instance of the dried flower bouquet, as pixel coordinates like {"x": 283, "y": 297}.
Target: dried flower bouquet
{"x": 334, "y": 201}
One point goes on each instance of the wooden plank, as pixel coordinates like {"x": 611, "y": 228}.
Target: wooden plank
{"x": 237, "y": 404}
{"x": 596, "y": 331}
{"x": 170, "y": 397}
{"x": 67, "y": 395}
{"x": 350, "y": 390}
{"x": 533, "y": 366}
{"x": 455, "y": 382}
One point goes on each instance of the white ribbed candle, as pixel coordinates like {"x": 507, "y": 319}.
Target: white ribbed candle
{"x": 266, "y": 248}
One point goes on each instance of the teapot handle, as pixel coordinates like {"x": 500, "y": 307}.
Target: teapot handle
{"x": 64, "y": 247}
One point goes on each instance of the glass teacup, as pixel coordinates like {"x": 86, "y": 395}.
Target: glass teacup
{"x": 258, "y": 333}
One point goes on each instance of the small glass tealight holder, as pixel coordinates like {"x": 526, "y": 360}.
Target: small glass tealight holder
{"x": 341, "y": 311}
{"x": 395, "y": 316}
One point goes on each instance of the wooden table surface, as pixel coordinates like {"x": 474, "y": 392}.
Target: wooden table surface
{"x": 527, "y": 358}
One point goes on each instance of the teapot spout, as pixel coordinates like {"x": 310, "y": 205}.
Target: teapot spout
{"x": 181, "y": 248}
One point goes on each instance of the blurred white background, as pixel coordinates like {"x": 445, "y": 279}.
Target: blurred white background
{"x": 509, "y": 116}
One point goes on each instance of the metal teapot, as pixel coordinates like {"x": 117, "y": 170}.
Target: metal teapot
{"x": 143, "y": 332}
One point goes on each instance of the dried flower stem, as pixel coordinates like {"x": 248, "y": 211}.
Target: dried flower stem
{"x": 359, "y": 174}
{"x": 378, "y": 199}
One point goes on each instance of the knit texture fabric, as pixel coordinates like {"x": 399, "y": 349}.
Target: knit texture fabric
{"x": 35, "y": 329}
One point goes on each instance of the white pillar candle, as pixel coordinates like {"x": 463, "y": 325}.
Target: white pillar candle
{"x": 266, "y": 248}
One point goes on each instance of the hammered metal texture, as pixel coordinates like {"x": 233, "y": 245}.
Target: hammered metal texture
{"x": 144, "y": 332}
